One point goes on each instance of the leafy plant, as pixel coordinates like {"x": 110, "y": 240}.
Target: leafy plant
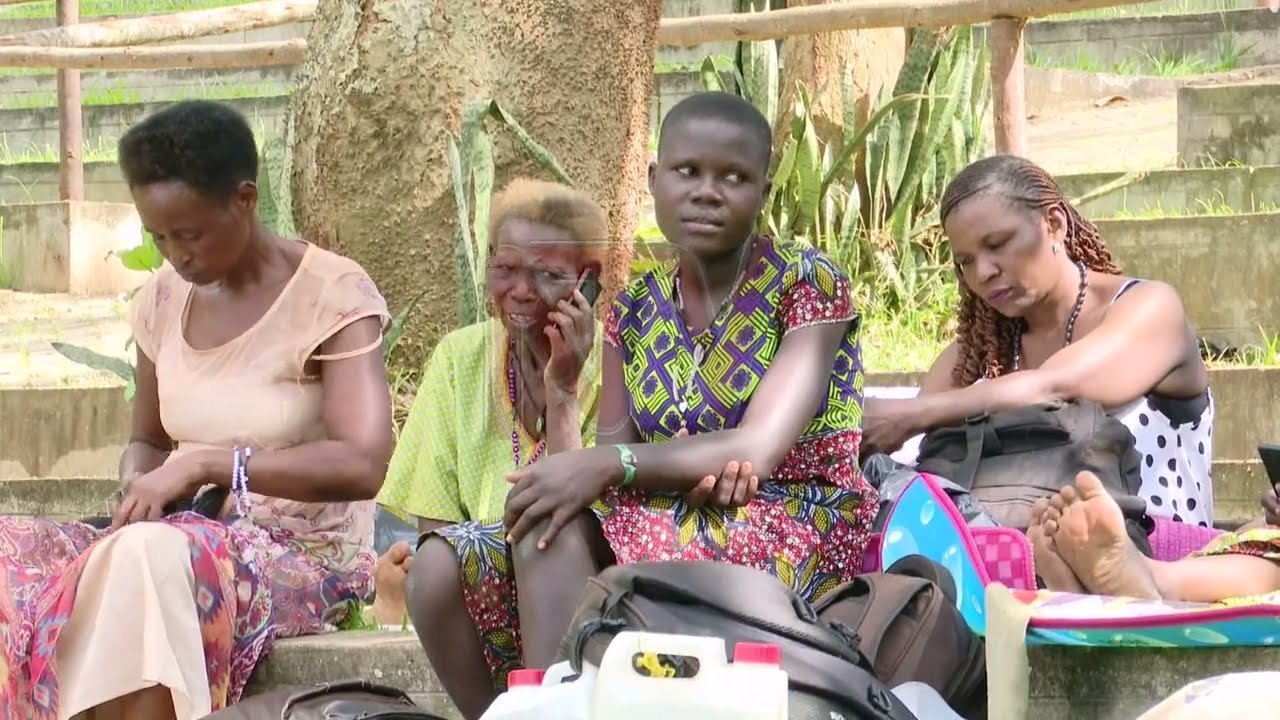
{"x": 869, "y": 198}
{"x": 471, "y": 173}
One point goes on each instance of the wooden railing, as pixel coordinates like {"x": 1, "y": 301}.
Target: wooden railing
{"x": 123, "y": 44}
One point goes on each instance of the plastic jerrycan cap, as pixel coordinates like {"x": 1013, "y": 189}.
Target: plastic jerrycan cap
{"x": 525, "y": 677}
{"x": 757, "y": 653}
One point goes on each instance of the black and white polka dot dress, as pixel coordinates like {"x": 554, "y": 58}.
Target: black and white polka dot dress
{"x": 1175, "y": 439}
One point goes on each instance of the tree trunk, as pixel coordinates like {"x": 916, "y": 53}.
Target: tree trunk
{"x": 386, "y": 80}
{"x": 818, "y": 62}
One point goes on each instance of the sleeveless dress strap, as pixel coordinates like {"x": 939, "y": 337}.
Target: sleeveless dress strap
{"x": 1123, "y": 289}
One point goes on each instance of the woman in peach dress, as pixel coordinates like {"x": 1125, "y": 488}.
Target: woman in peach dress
{"x": 259, "y": 370}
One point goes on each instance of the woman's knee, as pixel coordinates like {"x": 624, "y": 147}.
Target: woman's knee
{"x": 435, "y": 582}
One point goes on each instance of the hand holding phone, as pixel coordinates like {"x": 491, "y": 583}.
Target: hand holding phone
{"x": 589, "y": 285}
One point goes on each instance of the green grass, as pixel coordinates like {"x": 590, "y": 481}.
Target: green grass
{"x": 1200, "y": 208}
{"x": 99, "y": 8}
{"x": 1226, "y": 56}
{"x": 120, "y": 94}
{"x": 1165, "y": 7}
{"x": 909, "y": 340}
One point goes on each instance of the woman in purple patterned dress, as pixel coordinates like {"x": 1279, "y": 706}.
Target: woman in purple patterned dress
{"x": 740, "y": 359}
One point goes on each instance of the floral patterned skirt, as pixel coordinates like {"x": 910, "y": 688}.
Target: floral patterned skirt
{"x": 811, "y": 537}
{"x": 1261, "y": 542}
{"x": 250, "y": 588}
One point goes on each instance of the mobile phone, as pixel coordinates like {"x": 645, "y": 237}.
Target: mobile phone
{"x": 1270, "y": 454}
{"x": 589, "y": 285}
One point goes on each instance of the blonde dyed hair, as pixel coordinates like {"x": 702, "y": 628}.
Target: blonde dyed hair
{"x": 557, "y": 205}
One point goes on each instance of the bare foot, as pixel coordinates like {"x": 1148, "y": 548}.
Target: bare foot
{"x": 1091, "y": 537}
{"x": 389, "y": 575}
{"x": 1050, "y": 566}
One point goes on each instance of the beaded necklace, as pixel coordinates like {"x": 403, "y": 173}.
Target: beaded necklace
{"x": 1071, "y": 319}
{"x": 515, "y": 416}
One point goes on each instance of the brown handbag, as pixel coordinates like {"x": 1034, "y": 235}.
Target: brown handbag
{"x": 341, "y": 700}
{"x": 908, "y": 627}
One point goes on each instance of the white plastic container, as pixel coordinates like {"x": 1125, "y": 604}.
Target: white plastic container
{"x": 523, "y": 699}
{"x": 753, "y": 687}
{"x": 924, "y": 702}
{"x": 630, "y": 684}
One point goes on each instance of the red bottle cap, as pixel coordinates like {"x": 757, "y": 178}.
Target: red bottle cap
{"x": 758, "y": 653}
{"x": 525, "y": 677}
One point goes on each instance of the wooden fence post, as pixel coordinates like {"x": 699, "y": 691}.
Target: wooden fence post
{"x": 1008, "y": 85}
{"x": 70, "y": 118}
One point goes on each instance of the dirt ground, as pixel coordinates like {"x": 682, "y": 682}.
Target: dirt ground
{"x": 29, "y": 322}
{"x": 1126, "y": 135}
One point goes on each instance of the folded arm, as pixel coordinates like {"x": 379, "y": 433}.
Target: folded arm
{"x": 1142, "y": 339}
{"x": 783, "y": 405}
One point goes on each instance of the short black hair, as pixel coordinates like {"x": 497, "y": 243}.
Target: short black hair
{"x": 725, "y": 107}
{"x": 207, "y": 145}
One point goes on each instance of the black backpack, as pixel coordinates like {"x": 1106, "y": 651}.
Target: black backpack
{"x": 1008, "y": 460}
{"x": 829, "y": 677}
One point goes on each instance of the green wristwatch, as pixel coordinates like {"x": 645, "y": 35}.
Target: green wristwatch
{"x": 628, "y": 459}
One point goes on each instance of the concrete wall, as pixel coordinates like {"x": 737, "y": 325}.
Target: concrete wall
{"x": 1225, "y": 268}
{"x": 38, "y": 182}
{"x": 62, "y": 432}
{"x": 1174, "y": 192}
{"x": 67, "y": 247}
{"x": 24, "y": 129}
{"x": 1224, "y": 123}
{"x": 1113, "y": 40}
{"x": 24, "y": 91}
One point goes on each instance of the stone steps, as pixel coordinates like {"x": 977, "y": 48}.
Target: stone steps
{"x": 388, "y": 657}
{"x": 1237, "y": 485}
{"x": 1122, "y": 683}
{"x": 24, "y": 130}
{"x": 1065, "y": 682}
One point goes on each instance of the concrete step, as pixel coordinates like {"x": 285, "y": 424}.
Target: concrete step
{"x": 1122, "y": 683}
{"x": 65, "y": 431}
{"x": 36, "y": 129}
{"x": 1224, "y": 267}
{"x": 62, "y": 498}
{"x": 114, "y": 87}
{"x": 389, "y": 658}
{"x": 1237, "y": 486}
{"x": 1165, "y": 193}
{"x": 1066, "y": 682}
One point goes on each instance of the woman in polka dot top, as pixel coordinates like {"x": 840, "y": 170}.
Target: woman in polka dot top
{"x": 1046, "y": 315}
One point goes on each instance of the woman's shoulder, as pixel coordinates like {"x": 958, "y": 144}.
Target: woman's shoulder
{"x": 328, "y": 266}
{"x": 1150, "y": 298}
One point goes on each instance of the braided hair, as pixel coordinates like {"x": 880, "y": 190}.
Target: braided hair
{"x": 986, "y": 338}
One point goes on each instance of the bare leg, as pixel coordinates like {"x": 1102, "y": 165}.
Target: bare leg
{"x": 446, "y": 630}
{"x": 550, "y": 583}
{"x": 390, "y": 574}
{"x": 1050, "y": 566}
{"x": 1091, "y": 537}
{"x": 1216, "y": 577}
{"x": 153, "y": 703}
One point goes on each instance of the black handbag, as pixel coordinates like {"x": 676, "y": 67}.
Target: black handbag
{"x": 342, "y": 700}
{"x": 1009, "y": 460}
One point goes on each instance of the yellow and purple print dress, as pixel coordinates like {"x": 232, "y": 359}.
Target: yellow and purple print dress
{"x": 810, "y": 522}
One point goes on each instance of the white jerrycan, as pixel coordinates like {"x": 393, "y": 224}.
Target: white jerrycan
{"x": 644, "y": 676}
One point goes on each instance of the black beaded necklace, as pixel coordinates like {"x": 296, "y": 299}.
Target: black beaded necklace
{"x": 1071, "y": 319}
